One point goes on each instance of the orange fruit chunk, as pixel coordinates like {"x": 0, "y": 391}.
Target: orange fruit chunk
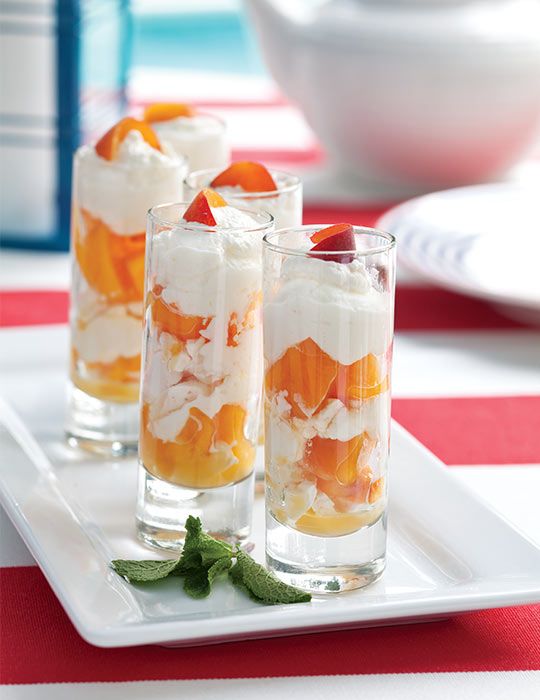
{"x": 199, "y": 210}
{"x": 359, "y": 380}
{"x": 329, "y": 525}
{"x": 336, "y": 459}
{"x": 235, "y": 329}
{"x": 230, "y": 422}
{"x": 330, "y": 231}
{"x": 108, "y": 145}
{"x": 110, "y": 381}
{"x": 346, "y": 495}
{"x": 338, "y": 237}
{"x": 113, "y": 265}
{"x": 164, "y": 111}
{"x": 169, "y": 319}
{"x": 376, "y": 490}
{"x": 200, "y": 455}
{"x": 250, "y": 176}
{"x": 306, "y": 373}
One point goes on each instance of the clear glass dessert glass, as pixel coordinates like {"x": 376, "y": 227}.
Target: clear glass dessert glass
{"x": 201, "y": 139}
{"x": 328, "y": 331}
{"x": 109, "y": 204}
{"x": 202, "y": 376}
{"x": 285, "y": 204}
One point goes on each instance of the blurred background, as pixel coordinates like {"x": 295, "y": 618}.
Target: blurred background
{"x": 370, "y": 102}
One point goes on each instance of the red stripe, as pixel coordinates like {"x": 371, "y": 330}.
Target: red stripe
{"x": 330, "y": 213}
{"x": 39, "y": 645}
{"x": 33, "y": 308}
{"x": 417, "y": 308}
{"x": 487, "y": 430}
{"x": 435, "y": 309}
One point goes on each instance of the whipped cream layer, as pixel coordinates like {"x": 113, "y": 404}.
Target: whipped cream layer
{"x": 120, "y": 191}
{"x": 201, "y": 139}
{"x": 214, "y": 275}
{"x": 336, "y": 305}
{"x": 206, "y": 273}
{"x": 108, "y": 334}
{"x": 285, "y": 207}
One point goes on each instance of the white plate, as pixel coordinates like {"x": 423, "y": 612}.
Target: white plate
{"x": 483, "y": 241}
{"x": 447, "y": 551}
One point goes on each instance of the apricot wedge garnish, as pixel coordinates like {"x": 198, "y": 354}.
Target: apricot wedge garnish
{"x": 250, "y": 176}
{"x": 164, "y": 111}
{"x": 108, "y": 145}
{"x": 200, "y": 209}
{"x": 339, "y": 237}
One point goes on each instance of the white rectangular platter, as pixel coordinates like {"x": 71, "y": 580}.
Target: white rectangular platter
{"x": 447, "y": 552}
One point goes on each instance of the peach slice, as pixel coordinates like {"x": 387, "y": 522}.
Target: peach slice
{"x": 200, "y": 210}
{"x": 170, "y": 320}
{"x": 329, "y": 525}
{"x": 112, "y": 265}
{"x": 345, "y": 495}
{"x": 236, "y": 328}
{"x": 114, "y": 381}
{"x": 230, "y": 422}
{"x": 164, "y": 111}
{"x": 337, "y": 237}
{"x": 359, "y": 380}
{"x": 376, "y": 490}
{"x": 306, "y": 373}
{"x": 337, "y": 459}
{"x": 250, "y": 176}
{"x": 200, "y": 455}
{"x": 108, "y": 145}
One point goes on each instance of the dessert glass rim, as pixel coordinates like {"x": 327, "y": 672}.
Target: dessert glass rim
{"x": 198, "y": 113}
{"x": 366, "y": 230}
{"x": 152, "y": 214}
{"x": 294, "y": 182}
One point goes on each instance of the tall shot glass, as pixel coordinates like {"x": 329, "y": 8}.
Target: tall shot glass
{"x": 284, "y": 203}
{"x": 202, "y": 376}
{"x": 109, "y": 204}
{"x": 328, "y": 331}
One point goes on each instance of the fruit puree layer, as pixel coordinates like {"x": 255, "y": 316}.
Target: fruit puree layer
{"x": 328, "y": 335}
{"x": 203, "y": 372}
{"x": 115, "y": 183}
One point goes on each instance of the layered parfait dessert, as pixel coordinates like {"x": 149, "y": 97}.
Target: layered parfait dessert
{"x": 115, "y": 183}
{"x": 203, "y": 344}
{"x": 199, "y": 137}
{"x": 250, "y": 184}
{"x": 328, "y": 344}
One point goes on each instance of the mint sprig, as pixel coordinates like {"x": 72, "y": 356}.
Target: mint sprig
{"x": 145, "y": 571}
{"x": 205, "y": 559}
{"x": 261, "y": 584}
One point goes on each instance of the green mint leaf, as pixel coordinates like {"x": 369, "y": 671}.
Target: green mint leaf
{"x": 198, "y": 543}
{"x": 262, "y": 584}
{"x": 217, "y": 569}
{"x": 198, "y": 582}
{"x": 144, "y": 571}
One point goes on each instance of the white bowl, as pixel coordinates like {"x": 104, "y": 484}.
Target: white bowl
{"x": 426, "y": 92}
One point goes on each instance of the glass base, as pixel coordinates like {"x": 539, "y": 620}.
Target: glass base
{"x": 163, "y": 508}
{"x": 104, "y": 427}
{"x": 326, "y": 564}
